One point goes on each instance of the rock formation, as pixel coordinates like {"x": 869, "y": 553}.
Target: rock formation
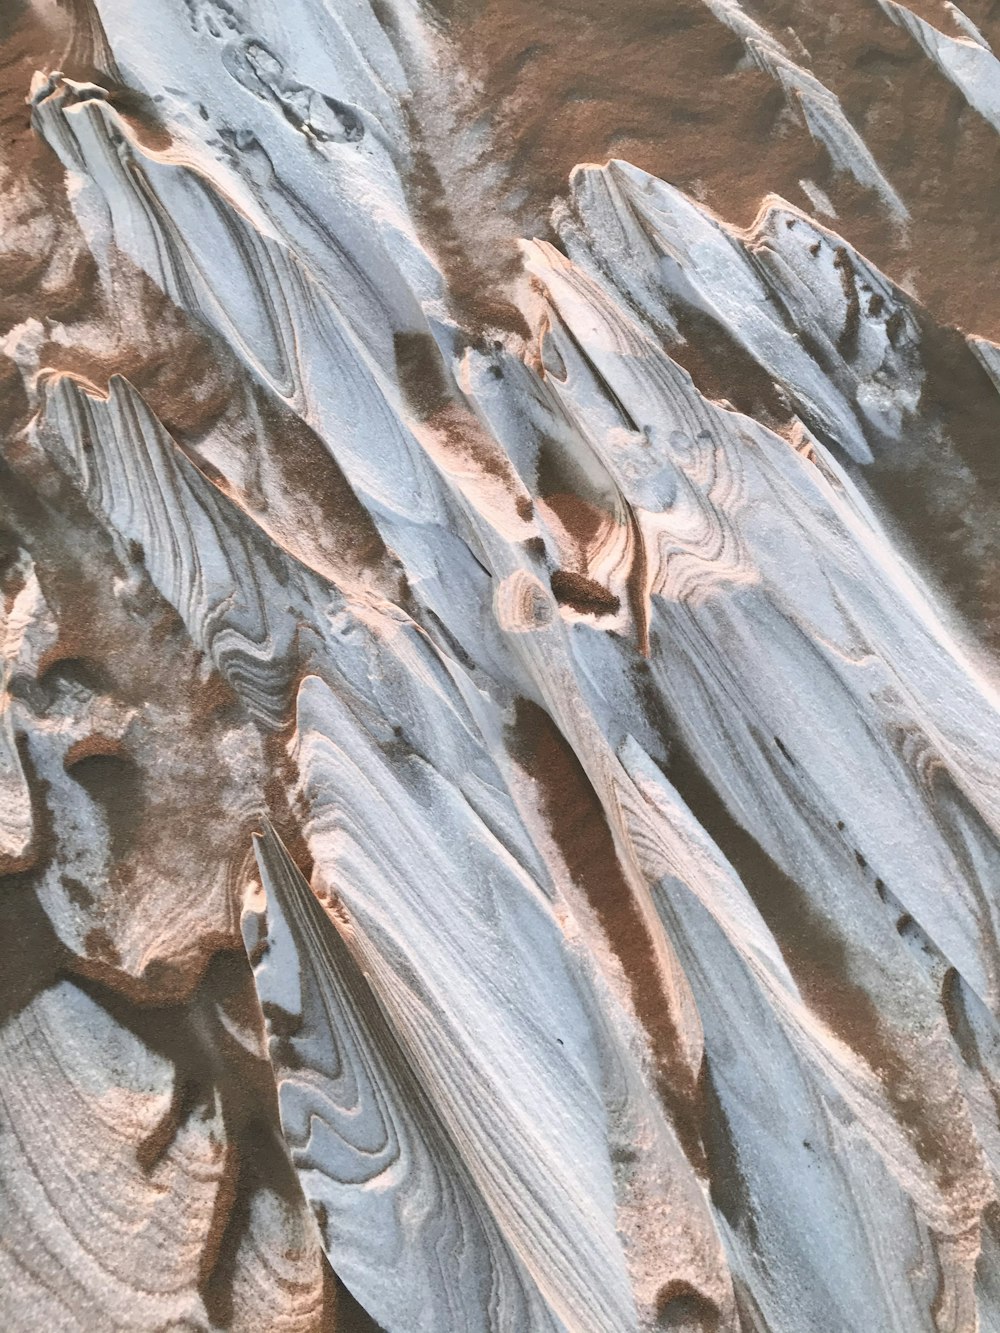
{"x": 500, "y": 730}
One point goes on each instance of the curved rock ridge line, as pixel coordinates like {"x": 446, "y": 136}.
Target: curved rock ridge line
{"x": 499, "y": 724}
{"x": 111, "y": 1093}
{"x": 375, "y": 1161}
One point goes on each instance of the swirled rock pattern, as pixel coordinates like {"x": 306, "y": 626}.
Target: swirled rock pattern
{"x": 499, "y": 710}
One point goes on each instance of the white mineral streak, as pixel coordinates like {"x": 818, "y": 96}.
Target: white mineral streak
{"x": 988, "y": 355}
{"x": 966, "y": 24}
{"x": 648, "y": 975}
{"x": 27, "y": 632}
{"x": 967, "y": 61}
{"x": 818, "y": 106}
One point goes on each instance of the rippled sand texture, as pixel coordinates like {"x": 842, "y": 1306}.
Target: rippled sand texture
{"x": 500, "y": 742}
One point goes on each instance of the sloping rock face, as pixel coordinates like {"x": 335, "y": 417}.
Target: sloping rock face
{"x": 500, "y": 728}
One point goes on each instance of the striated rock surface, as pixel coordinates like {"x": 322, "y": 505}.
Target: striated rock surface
{"x": 500, "y": 721}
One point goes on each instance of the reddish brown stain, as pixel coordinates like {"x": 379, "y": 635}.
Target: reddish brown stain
{"x": 583, "y": 594}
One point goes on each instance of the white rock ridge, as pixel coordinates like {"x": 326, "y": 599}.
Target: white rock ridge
{"x": 495, "y": 838}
